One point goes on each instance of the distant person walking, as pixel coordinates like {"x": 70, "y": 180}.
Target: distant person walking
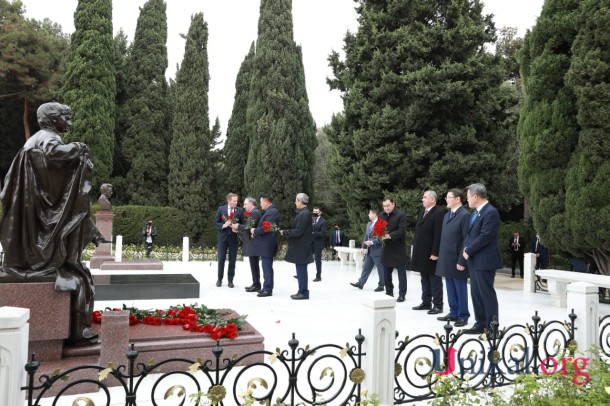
{"x": 149, "y": 233}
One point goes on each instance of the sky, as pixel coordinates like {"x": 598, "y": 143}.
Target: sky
{"x": 319, "y": 27}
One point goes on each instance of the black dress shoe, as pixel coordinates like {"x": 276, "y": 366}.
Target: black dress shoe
{"x": 390, "y": 294}
{"x": 262, "y": 293}
{"x": 401, "y": 298}
{"x": 299, "y": 296}
{"x": 317, "y": 279}
{"x": 356, "y": 285}
{"x": 446, "y": 318}
{"x": 253, "y": 288}
{"x": 435, "y": 310}
{"x": 231, "y": 285}
{"x": 423, "y": 307}
{"x": 473, "y": 330}
{"x": 378, "y": 289}
{"x": 219, "y": 282}
{"x": 460, "y": 323}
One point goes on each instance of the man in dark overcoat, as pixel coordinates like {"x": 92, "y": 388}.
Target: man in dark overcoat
{"x": 319, "y": 225}
{"x": 264, "y": 244}
{"x": 251, "y": 217}
{"x": 394, "y": 251}
{"x": 300, "y": 244}
{"x": 451, "y": 264}
{"x": 426, "y": 242}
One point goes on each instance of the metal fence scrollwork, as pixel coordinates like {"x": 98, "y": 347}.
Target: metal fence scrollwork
{"x": 486, "y": 361}
{"x": 325, "y": 374}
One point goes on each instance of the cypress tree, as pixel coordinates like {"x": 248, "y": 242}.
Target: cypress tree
{"x": 90, "y": 86}
{"x": 191, "y": 169}
{"x": 548, "y": 130}
{"x": 587, "y": 209}
{"x": 119, "y": 170}
{"x": 282, "y": 130}
{"x": 424, "y": 107}
{"x": 236, "y": 145}
{"x": 146, "y": 110}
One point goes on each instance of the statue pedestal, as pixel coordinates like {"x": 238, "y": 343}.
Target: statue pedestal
{"x": 49, "y": 313}
{"x": 103, "y": 253}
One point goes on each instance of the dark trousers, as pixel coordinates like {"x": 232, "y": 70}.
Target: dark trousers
{"x": 367, "y": 267}
{"x": 517, "y": 256}
{"x": 402, "y": 280}
{"x": 317, "y": 253}
{"x": 267, "y": 274}
{"x": 229, "y": 244}
{"x": 302, "y": 278}
{"x": 432, "y": 290}
{"x": 484, "y": 299}
{"x": 457, "y": 296}
{"x": 256, "y": 271}
{"x": 148, "y": 246}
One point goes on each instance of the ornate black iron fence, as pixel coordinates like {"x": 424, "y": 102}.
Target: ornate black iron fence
{"x": 326, "y": 374}
{"x": 488, "y": 361}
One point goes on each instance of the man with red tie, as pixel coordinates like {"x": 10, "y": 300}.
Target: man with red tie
{"x": 227, "y": 237}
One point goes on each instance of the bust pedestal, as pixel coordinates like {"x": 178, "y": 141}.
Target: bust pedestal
{"x": 103, "y": 253}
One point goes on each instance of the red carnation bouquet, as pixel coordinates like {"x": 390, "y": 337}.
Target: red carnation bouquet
{"x": 269, "y": 226}
{"x": 379, "y": 229}
{"x": 195, "y": 318}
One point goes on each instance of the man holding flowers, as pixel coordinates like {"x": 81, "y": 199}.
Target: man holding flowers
{"x": 371, "y": 249}
{"x": 394, "y": 251}
{"x": 252, "y": 217}
{"x": 264, "y": 242}
{"x": 226, "y": 216}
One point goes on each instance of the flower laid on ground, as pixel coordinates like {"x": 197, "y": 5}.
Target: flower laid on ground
{"x": 379, "y": 229}
{"x": 195, "y": 318}
{"x": 268, "y": 226}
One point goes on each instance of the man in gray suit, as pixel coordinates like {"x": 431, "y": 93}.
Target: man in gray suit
{"x": 451, "y": 264}
{"x": 371, "y": 248}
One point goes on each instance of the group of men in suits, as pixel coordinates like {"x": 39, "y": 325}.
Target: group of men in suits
{"x": 455, "y": 244}
{"x": 516, "y": 246}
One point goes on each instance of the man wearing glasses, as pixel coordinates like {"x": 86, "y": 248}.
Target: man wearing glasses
{"x": 451, "y": 264}
{"x": 483, "y": 257}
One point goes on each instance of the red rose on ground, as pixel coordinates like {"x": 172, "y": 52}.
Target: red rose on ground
{"x": 208, "y": 328}
{"x": 186, "y": 327}
{"x": 133, "y": 320}
{"x": 96, "y": 317}
{"x": 216, "y": 335}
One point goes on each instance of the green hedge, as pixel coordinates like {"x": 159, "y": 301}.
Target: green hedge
{"x": 129, "y": 220}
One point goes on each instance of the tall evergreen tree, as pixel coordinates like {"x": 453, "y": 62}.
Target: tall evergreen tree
{"x": 282, "y": 130}
{"x": 32, "y": 61}
{"x": 218, "y": 191}
{"x": 236, "y": 145}
{"x": 146, "y": 110}
{"x": 424, "y": 107}
{"x": 191, "y": 169}
{"x": 588, "y": 178}
{"x": 548, "y": 130}
{"x": 90, "y": 86}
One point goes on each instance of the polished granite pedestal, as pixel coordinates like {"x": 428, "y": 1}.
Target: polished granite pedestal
{"x": 148, "y": 286}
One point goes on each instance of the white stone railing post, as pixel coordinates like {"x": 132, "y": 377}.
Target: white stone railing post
{"x": 529, "y": 275}
{"x": 584, "y": 299}
{"x": 118, "y": 252}
{"x": 185, "y": 249}
{"x": 378, "y": 321}
{"x": 14, "y": 332}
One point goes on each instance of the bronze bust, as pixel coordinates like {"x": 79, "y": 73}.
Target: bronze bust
{"x": 46, "y": 221}
{"x": 105, "y": 195}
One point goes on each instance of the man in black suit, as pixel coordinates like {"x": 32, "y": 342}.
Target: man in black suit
{"x": 337, "y": 238}
{"x": 319, "y": 226}
{"x": 227, "y": 237}
{"x": 251, "y": 218}
{"x": 542, "y": 254}
{"x": 515, "y": 245}
{"x": 265, "y": 242}
{"x": 451, "y": 264}
{"x": 426, "y": 242}
{"x": 394, "y": 251}
{"x": 483, "y": 257}
{"x": 300, "y": 244}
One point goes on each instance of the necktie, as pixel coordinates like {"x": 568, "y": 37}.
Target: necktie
{"x": 451, "y": 215}
{"x": 473, "y": 217}
{"x": 425, "y": 212}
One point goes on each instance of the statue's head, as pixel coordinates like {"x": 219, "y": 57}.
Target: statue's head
{"x": 106, "y": 189}
{"x": 55, "y": 116}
